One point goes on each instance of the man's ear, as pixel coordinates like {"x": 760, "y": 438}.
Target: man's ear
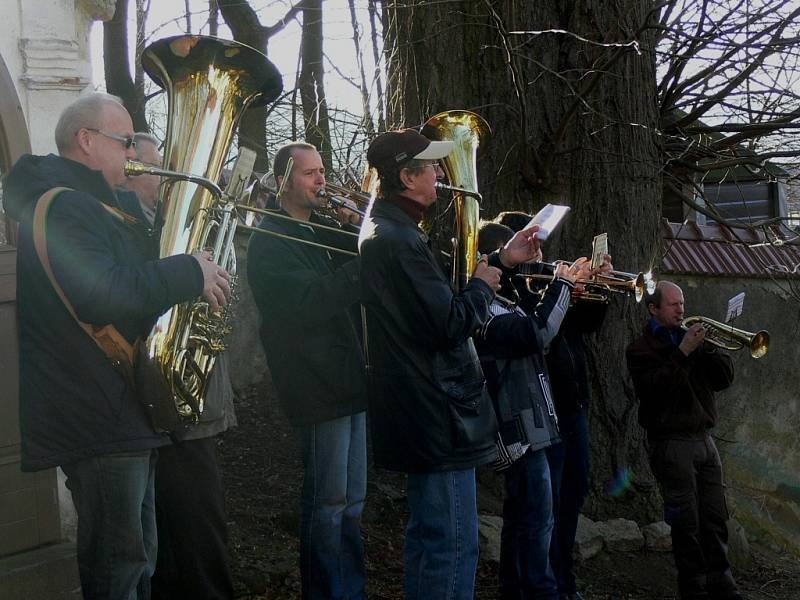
{"x": 407, "y": 178}
{"x": 83, "y": 141}
{"x": 650, "y": 307}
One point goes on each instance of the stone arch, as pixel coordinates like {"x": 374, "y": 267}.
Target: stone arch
{"x": 14, "y": 138}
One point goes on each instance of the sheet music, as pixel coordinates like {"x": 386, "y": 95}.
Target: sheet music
{"x": 548, "y": 219}
{"x": 599, "y": 249}
{"x": 735, "y": 307}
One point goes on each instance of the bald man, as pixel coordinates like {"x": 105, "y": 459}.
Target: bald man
{"x": 78, "y": 409}
{"x": 676, "y": 374}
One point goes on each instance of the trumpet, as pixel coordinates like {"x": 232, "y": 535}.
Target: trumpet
{"x": 598, "y": 286}
{"x": 728, "y": 337}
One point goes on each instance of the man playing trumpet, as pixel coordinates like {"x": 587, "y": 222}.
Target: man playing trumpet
{"x": 675, "y": 375}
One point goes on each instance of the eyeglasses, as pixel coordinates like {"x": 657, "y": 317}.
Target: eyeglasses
{"x": 435, "y": 166}
{"x": 128, "y": 142}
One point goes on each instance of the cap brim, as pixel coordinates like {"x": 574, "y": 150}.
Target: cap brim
{"x": 436, "y": 150}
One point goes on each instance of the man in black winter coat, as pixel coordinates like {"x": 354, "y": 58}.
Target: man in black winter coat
{"x": 512, "y": 346}
{"x": 430, "y": 413}
{"x": 307, "y": 297}
{"x": 675, "y": 375}
{"x": 569, "y": 461}
{"x": 77, "y": 410}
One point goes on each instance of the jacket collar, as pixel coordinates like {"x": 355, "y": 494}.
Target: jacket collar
{"x": 414, "y": 211}
{"x": 664, "y": 334}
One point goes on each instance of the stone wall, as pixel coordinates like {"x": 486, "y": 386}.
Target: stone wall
{"x": 760, "y": 414}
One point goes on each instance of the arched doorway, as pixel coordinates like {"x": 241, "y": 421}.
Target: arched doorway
{"x": 14, "y": 139}
{"x": 30, "y": 516}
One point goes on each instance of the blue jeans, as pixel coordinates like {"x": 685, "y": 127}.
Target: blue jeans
{"x": 114, "y": 499}
{"x": 569, "y": 470}
{"x": 441, "y": 550}
{"x": 525, "y": 572}
{"x": 334, "y": 487}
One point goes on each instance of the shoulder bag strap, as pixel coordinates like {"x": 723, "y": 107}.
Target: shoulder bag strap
{"x": 110, "y": 341}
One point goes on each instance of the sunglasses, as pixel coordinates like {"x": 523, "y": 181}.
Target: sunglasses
{"x": 128, "y": 142}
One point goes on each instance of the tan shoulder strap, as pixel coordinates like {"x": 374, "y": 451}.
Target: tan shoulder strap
{"x": 120, "y": 214}
{"x": 111, "y": 341}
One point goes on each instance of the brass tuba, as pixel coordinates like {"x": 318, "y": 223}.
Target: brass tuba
{"x": 470, "y": 132}
{"x": 730, "y": 338}
{"x": 209, "y": 84}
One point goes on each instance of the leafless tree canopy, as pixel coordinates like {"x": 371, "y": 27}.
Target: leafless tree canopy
{"x": 729, "y": 76}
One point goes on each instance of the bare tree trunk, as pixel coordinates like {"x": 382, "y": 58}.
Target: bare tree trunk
{"x": 188, "y": 15}
{"x": 367, "y": 121}
{"x": 376, "y": 56}
{"x": 142, "y": 10}
{"x": 247, "y": 29}
{"x": 117, "y": 67}
{"x": 213, "y": 17}
{"x": 574, "y": 122}
{"x": 312, "y": 86}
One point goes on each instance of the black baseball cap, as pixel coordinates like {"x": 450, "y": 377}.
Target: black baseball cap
{"x": 393, "y": 149}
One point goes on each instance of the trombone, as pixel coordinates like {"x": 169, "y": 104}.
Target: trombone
{"x": 245, "y": 203}
{"x": 728, "y": 337}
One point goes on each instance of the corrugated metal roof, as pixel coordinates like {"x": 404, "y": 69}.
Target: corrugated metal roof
{"x": 711, "y": 250}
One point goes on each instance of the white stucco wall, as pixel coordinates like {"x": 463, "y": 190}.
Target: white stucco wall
{"x": 45, "y": 45}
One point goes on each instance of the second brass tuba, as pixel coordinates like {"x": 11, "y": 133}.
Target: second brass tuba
{"x": 469, "y": 132}
{"x": 209, "y": 84}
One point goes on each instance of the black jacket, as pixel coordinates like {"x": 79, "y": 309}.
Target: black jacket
{"x": 675, "y": 391}
{"x": 73, "y": 403}
{"x": 566, "y": 356}
{"x": 428, "y": 405}
{"x": 511, "y": 346}
{"x": 310, "y": 329}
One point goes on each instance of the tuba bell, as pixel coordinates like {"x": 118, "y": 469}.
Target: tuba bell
{"x": 209, "y": 84}
{"x": 727, "y": 337}
{"x": 469, "y": 132}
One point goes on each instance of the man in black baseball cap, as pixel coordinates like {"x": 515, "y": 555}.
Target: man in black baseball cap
{"x": 429, "y": 410}
{"x": 396, "y": 148}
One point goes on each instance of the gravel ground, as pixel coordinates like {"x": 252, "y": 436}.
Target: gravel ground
{"x": 262, "y": 474}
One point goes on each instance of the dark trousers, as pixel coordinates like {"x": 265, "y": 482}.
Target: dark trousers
{"x": 569, "y": 474}
{"x": 113, "y": 496}
{"x": 689, "y": 472}
{"x": 525, "y": 572}
{"x": 193, "y": 559}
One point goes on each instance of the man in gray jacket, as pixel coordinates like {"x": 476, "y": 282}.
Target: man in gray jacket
{"x": 193, "y": 559}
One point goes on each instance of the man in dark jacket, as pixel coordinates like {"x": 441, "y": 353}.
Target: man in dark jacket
{"x": 569, "y": 461}
{"x": 308, "y": 299}
{"x": 430, "y": 413}
{"x": 77, "y": 410}
{"x": 675, "y": 375}
{"x": 512, "y": 346}
{"x": 192, "y": 525}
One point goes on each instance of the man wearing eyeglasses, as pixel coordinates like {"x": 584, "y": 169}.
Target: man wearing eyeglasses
{"x": 192, "y": 525}
{"x": 430, "y": 412}
{"x": 80, "y": 269}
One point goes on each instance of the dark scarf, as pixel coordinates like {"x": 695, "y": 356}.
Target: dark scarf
{"x": 673, "y": 336}
{"x": 413, "y": 209}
